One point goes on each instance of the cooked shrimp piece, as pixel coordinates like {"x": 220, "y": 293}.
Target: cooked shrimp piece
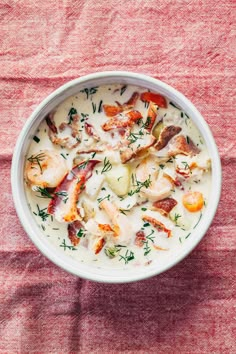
{"x": 159, "y": 187}
{"x": 120, "y": 222}
{"x": 193, "y": 201}
{"x": 122, "y": 121}
{"x": 46, "y": 169}
{"x": 112, "y": 111}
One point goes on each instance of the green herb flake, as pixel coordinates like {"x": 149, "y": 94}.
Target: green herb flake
{"x": 107, "y": 166}
{"x": 129, "y": 256}
{"x": 65, "y": 246}
{"x": 36, "y": 139}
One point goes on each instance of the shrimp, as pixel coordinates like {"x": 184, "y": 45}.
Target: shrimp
{"x": 183, "y": 145}
{"x": 121, "y": 225}
{"x": 160, "y": 186}
{"x": 122, "y": 121}
{"x": 46, "y": 169}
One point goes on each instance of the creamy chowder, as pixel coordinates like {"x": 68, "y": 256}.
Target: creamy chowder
{"x": 117, "y": 176}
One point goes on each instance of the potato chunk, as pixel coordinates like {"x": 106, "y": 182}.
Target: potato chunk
{"x": 118, "y": 179}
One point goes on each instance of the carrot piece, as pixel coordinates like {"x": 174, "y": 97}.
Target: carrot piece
{"x": 193, "y": 201}
{"x": 155, "y": 98}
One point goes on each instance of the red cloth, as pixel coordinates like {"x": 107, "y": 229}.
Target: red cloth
{"x": 189, "y": 45}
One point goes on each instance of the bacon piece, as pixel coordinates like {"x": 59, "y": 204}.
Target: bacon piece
{"x": 166, "y": 135}
{"x": 112, "y": 111}
{"x": 50, "y": 122}
{"x": 122, "y": 121}
{"x": 155, "y": 98}
{"x": 151, "y": 116}
{"x": 140, "y": 238}
{"x": 73, "y": 229}
{"x": 89, "y": 129}
{"x": 65, "y": 209}
{"x": 164, "y": 206}
{"x": 183, "y": 145}
{"x": 157, "y": 224}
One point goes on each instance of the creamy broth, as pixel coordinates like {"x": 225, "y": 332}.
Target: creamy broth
{"x": 131, "y": 207}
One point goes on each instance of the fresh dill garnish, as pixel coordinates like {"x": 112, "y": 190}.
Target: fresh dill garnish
{"x": 71, "y": 113}
{"x": 83, "y": 164}
{"x": 43, "y": 193}
{"x": 100, "y": 107}
{"x": 112, "y": 252}
{"x": 129, "y": 256}
{"x": 64, "y": 157}
{"x": 65, "y": 246}
{"x": 123, "y": 89}
{"x": 36, "y": 139}
{"x": 93, "y": 155}
{"x": 80, "y": 233}
{"x": 176, "y": 217}
{"x": 63, "y": 196}
{"x": 180, "y": 240}
{"x": 84, "y": 117}
{"x": 161, "y": 166}
{"x": 143, "y": 209}
{"x": 147, "y": 248}
{"x": 133, "y": 137}
{"x": 146, "y": 224}
{"x": 186, "y": 165}
{"x": 187, "y": 115}
{"x": 107, "y": 166}
{"x": 41, "y": 213}
{"x": 182, "y": 115}
{"x": 119, "y": 178}
{"x": 172, "y": 104}
{"x": 188, "y": 235}
{"x": 37, "y": 159}
{"x": 124, "y": 211}
{"x": 138, "y": 184}
{"x": 103, "y": 189}
{"x": 106, "y": 197}
{"x": 89, "y": 91}
{"x": 187, "y": 139}
{"x": 94, "y": 107}
{"x": 170, "y": 159}
{"x": 198, "y": 221}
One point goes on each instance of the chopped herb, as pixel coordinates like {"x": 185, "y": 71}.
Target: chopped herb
{"x": 170, "y": 160}
{"x": 41, "y": 213}
{"x": 147, "y": 249}
{"x": 129, "y": 256}
{"x": 65, "y": 246}
{"x": 107, "y": 166}
{"x": 112, "y": 252}
{"x": 89, "y": 91}
{"x": 146, "y": 224}
{"x": 198, "y": 221}
{"x": 188, "y": 235}
{"x": 186, "y": 115}
{"x": 172, "y": 104}
{"x": 186, "y": 165}
{"x": 55, "y": 228}
{"x": 100, "y": 107}
{"x": 139, "y": 184}
{"x": 63, "y": 196}
{"x": 143, "y": 209}
{"x": 94, "y": 107}
{"x": 106, "y": 197}
{"x": 93, "y": 155}
{"x": 43, "y": 227}
{"x": 36, "y": 139}
{"x": 37, "y": 159}
{"x": 80, "y": 233}
{"x": 187, "y": 138}
{"x": 161, "y": 166}
{"x": 182, "y": 115}
{"x": 123, "y": 89}
{"x": 180, "y": 240}
{"x": 103, "y": 188}
{"x": 64, "y": 157}
{"x": 119, "y": 178}
{"x": 44, "y": 193}
{"x": 176, "y": 217}
{"x": 71, "y": 113}
{"x": 133, "y": 137}
{"x": 124, "y": 211}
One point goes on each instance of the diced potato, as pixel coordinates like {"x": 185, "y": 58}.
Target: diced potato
{"x": 118, "y": 179}
{"x": 157, "y": 129}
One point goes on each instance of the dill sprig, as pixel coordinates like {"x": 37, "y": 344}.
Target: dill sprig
{"x": 43, "y": 193}
{"x": 41, "y": 213}
{"x": 37, "y": 159}
{"x": 65, "y": 246}
{"x": 138, "y": 184}
{"x": 129, "y": 256}
{"x": 107, "y": 166}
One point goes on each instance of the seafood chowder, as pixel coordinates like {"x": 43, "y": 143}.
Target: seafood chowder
{"x": 117, "y": 176}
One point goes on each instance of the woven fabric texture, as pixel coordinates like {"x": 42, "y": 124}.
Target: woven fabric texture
{"x": 190, "y": 45}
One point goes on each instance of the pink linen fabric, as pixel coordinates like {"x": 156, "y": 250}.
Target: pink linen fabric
{"x": 190, "y": 45}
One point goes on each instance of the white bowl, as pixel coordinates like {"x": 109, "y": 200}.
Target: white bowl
{"x": 19, "y": 195}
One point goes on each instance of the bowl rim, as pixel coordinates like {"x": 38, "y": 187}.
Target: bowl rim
{"x": 16, "y": 183}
